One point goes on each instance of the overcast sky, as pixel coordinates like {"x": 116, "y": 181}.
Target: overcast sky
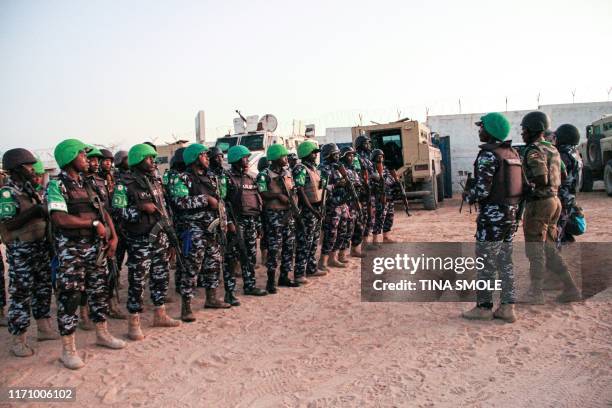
{"x": 121, "y": 72}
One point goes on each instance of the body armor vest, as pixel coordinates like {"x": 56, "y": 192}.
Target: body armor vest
{"x": 33, "y": 230}
{"x": 507, "y": 187}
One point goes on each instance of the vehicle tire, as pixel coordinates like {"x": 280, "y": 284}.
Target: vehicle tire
{"x": 430, "y": 202}
{"x": 587, "y": 179}
{"x": 608, "y": 177}
{"x": 593, "y": 150}
{"x": 440, "y": 181}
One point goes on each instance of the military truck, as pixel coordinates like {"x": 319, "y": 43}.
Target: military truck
{"x": 257, "y": 134}
{"x": 407, "y": 145}
{"x": 597, "y": 154}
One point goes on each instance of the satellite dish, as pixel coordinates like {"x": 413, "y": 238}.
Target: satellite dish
{"x": 268, "y": 122}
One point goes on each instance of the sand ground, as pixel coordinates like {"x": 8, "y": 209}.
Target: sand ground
{"x": 320, "y": 346}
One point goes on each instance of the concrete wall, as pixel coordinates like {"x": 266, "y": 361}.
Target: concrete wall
{"x": 464, "y": 134}
{"x": 335, "y": 135}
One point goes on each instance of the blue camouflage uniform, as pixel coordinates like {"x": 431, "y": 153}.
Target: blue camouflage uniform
{"x": 336, "y": 234}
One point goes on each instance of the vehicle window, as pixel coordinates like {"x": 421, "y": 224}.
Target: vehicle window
{"x": 225, "y": 143}
{"x": 390, "y": 142}
{"x": 597, "y": 130}
{"x": 253, "y": 142}
{"x": 607, "y": 126}
{"x": 161, "y": 160}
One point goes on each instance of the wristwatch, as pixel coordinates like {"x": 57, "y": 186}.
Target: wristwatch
{"x": 95, "y": 223}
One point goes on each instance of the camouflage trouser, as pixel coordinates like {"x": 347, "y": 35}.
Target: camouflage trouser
{"x": 78, "y": 273}
{"x": 307, "y": 240}
{"x": 364, "y": 228}
{"x": 263, "y": 243}
{"x": 335, "y": 228}
{"x": 280, "y": 236}
{"x": 2, "y": 284}
{"x": 203, "y": 256}
{"x": 121, "y": 251}
{"x": 383, "y": 216}
{"x": 29, "y": 283}
{"x": 249, "y": 226}
{"x": 540, "y": 228}
{"x": 344, "y": 240}
{"x": 495, "y": 230}
{"x": 144, "y": 258}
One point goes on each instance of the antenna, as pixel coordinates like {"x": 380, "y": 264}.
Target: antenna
{"x": 361, "y": 119}
{"x": 506, "y": 104}
{"x": 609, "y": 91}
{"x": 426, "y": 112}
{"x": 573, "y": 95}
{"x": 538, "y": 99}
{"x": 399, "y": 114}
{"x": 459, "y": 105}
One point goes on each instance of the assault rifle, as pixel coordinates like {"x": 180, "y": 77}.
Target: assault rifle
{"x": 403, "y": 191}
{"x": 113, "y": 272}
{"x": 466, "y": 187}
{"x": 352, "y": 190}
{"x": 165, "y": 224}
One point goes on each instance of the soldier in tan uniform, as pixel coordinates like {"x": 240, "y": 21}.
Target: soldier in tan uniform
{"x": 543, "y": 170}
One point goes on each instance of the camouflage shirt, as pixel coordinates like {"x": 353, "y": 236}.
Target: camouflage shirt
{"x": 570, "y": 157}
{"x": 338, "y": 192}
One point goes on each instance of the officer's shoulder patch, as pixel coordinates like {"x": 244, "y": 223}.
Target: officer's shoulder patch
{"x": 5, "y": 193}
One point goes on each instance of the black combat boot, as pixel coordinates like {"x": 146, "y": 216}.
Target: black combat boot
{"x": 271, "y": 285}
{"x": 231, "y": 298}
{"x": 284, "y": 280}
{"x": 255, "y": 291}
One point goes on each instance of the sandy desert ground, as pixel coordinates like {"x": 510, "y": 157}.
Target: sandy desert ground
{"x": 320, "y": 346}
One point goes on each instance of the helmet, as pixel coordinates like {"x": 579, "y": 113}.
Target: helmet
{"x": 345, "y": 150}
{"x": 536, "y": 122}
{"x": 107, "y": 153}
{"x": 262, "y": 163}
{"x": 567, "y": 135}
{"x": 236, "y": 153}
{"x": 140, "y": 152}
{"x": 94, "y": 152}
{"x": 120, "y": 156}
{"x": 307, "y": 147}
{"x": 376, "y": 153}
{"x": 496, "y": 125}
{"x": 215, "y": 151}
{"x": 360, "y": 141}
{"x": 14, "y": 158}
{"x": 329, "y": 149}
{"x": 67, "y": 150}
{"x": 39, "y": 168}
{"x": 151, "y": 144}
{"x": 192, "y": 152}
{"x": 177, "y": 158}
{"x": 276, "y": 151}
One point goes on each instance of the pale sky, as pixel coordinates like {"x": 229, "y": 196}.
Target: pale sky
{"x": 121, "y": 72}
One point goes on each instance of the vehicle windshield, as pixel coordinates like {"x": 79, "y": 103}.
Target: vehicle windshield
{"x": 390, "y": 142}
{"x": 225, "y": 143}
{"x": 253, "y": 142}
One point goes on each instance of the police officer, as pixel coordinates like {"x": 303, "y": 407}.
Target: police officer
{"x": 350, "y": 162}
{"x": 196, "y": 197}
{"x": 106, "y": 169}
{"x": 567, "y": 139}
{"x": 384, "y": 190}
{"x": 274, "y": 182}
{"x": 104, "y": 191}
{"x": 244, "y": 209}
{"x": 497, "y": 188}
{"x": 38, "y": 179}
{"x": 363, "y": 147}
{"x": 262, "y": 164}
{"x": 337, "y": 215}
{"x": 177, "y": 166}
{"x": 121, "y": 170}
{"x": 81, "y": 236}
{"x": 22, "y": 227}
{"x": 310, "y": 192}
{"x": 542, "y": 165}
{"x": 292, "y": 159}
{"x": 215, "y": 156}
{"x": 139, "y": 202}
